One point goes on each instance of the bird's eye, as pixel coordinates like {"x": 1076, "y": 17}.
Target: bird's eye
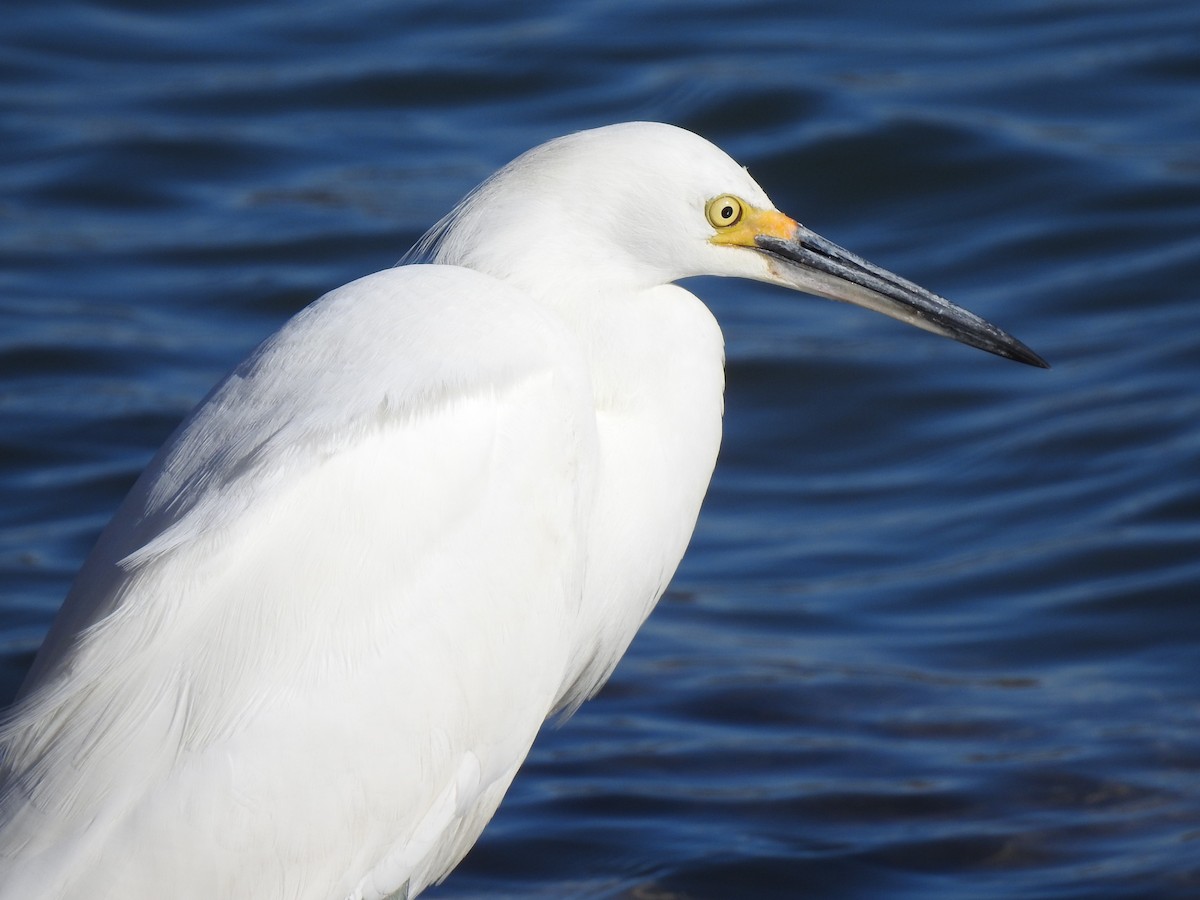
{"x": 724, "y": 211}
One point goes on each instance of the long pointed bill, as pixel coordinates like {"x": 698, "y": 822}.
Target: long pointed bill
{"x": 805, "y": 261}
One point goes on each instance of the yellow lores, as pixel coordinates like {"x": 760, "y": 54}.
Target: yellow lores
{"x": 738, "y": 223}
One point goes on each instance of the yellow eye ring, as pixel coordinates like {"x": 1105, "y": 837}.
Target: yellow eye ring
{"x": 724, "y": 211}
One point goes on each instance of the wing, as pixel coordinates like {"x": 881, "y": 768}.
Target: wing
{"x": 330, "y": 617}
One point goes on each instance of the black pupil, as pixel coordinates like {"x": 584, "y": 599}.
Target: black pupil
{"x": 726, "y": 212}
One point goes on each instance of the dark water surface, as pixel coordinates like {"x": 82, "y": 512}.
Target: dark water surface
{"x": 938, "y": 635}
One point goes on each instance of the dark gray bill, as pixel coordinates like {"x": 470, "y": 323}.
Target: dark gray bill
{"x": 808, "y": 262}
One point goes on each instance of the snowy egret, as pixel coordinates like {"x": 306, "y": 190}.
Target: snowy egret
{"x": 313, "y": 647}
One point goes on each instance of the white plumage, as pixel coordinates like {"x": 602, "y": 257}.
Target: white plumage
{"x": 312, "y": 649}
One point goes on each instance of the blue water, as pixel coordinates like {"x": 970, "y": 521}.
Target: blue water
{"x": 938, "y": 634}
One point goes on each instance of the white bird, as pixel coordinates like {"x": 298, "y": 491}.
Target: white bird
{"x": 313, "y": 647}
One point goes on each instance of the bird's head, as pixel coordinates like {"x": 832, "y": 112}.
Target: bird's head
{"x": 633, "y": 206}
